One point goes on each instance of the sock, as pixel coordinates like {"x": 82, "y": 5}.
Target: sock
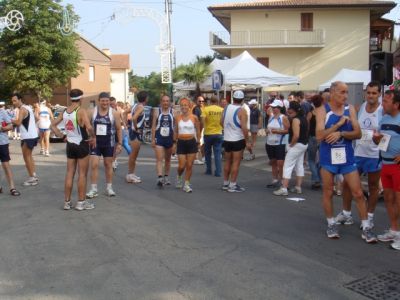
{"x": 232, "y": 184}
{"x": 283, "y": 188}
{"x": 34, "y": 174}
{"x": 187, "y": 182}
{"x": 347, "y": 213}
{"x": 370, "y": 216}
{"x": 365, "y": 224}
{"x": 275, "y": 180}
{"x": 331, "y": 221}
{"x": 94, "y": 187}
{"x": 109, "y": 186}
{"x": 226, "y": 182}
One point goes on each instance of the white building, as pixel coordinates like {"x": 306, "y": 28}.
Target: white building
{"x": 120, "y": 68}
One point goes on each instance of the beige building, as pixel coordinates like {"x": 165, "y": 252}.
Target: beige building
{"x": 312, "y": 39}
{"x": 120, "y": 68}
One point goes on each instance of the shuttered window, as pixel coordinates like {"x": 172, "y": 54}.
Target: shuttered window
{"x": 306, "y": 21}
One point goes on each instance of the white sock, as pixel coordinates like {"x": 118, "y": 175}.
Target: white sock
{"x": 232, "y": 184}
{"x": 283, "y": 188}
{"x": 94, "y": 186}
{"x": 331, "y": 221}
{"x": 347, "y": 213}
{"x": 226, "y": 182}
{"x": 109, "y": 186}
{"x": 365, "y": 224}
{"x": 275, "y": 180}
{"x": 370, "y": 216}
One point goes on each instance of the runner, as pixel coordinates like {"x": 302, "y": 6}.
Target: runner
{"x": 117, "y": 107}
{"x": 106, "y": 123}
{"x": 162, "y": 139}
{"x": 234, "y": 121}
{"x": 29, "y": 136}
{"x": 198, "y": 111}
{"x": 336, "y": 128}
{"x": 367, "y": 155}
{"x": 388, "y": 139}
{"x": 136, "y": 135}
{"x": 77, "y": 127}
{"x": 5, "y": 127}
{"x": 187, "y": 128}
{"x": 45, "y": 116}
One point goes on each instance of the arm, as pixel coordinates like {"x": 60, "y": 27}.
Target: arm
{"x": 243, "y": 124}
{"x": 296, "y": 131}
{"x": 320, "y": 132}
{"x": 176, "y": 129}
{"x": 153, "y": 128}
{"x": 138, "y": 112}
{"x": 259, "y": 120}
{"x": 54, "y": 124}
{"x": 21, "y": 115}
{"x": 197, "y": 124}
{"x": 83, "y": 119}
{"x": 118, "y": 128}
{"x": 349, "y": 135}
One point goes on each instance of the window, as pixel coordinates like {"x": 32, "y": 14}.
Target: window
{"x": 307, "y": 22}
{"x": 264, "y": 61}
{"x": 91, "y": 73}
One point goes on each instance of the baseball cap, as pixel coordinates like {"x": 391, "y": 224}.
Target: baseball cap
{"x": 2, "y": 103}
{"x": 238, "y": 95}
{"x": 277, "y": 103}
{"x": 253, "y": 101}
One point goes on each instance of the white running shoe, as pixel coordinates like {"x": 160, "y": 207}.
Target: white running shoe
{"x": 110, "y": 192}
{"x": 198, "y": 162}
{"x": 84, "y": 205}
{"x": 67, "y": 205}
{"x": 179, "y": 182}
{"x": 187, "y": 188}
{"x": 47, "y": 153}
{"x": 132, "y": 178}
{"x": 42, "y": 151}
{"x": 388, "y": 236}
{"x": 174, "y": 157}
{"x": 281, "y": 192}
{"x": 92, "y": 193}
{"x": 32, "y": 181}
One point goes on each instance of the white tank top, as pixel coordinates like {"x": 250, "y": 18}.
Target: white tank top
{"x": 369, "y": 122}
{"x": 28, "y": 128}
{"x": 186, "y": 127}
{"x": 232, "y": 129}
{"x": 72, "y": 128}
{"x": 44, "y": 117}
{"x": 247, "y": 108}
{"x": 274, "y": 139}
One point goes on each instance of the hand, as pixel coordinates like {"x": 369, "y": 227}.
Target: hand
{"x": 333, "y": 137}
{"x": 342, "y": 121}
{"x": 118, "y": 149}
{"x": 376, "y": 137}
{"x": 273, "y": 131}
{"x": 397, "y": 159}
{"x": 92, "y": 142}
{"x": 249, "y": 146}
{"x": 153, "y": 144}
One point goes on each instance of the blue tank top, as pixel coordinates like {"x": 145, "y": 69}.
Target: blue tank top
{"x": 140, "y": 119}
{"x": 105, "y": 129}
{"x": 165, "y": 125}
{"x": 342, "y": 146}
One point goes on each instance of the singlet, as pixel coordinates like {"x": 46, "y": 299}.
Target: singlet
{"x": 104, "y": 127}
{"x": 341, "y": 152}
{"x": 391, "y": 126}
{"x": 274, "y": 139}
{"x": 232, "y": 129}
{"x": 186, "y": 129}
{"x": 75, "y": 133}
{"x": 44, "y": 117}
{"x": 28, "y": 126}
{"x": 247, "y": 109}
{"x": 254, "y": 116}
{"x": 140, "y": 119}
{"x": 365, "y": 147}
{"x": 165, "y": 125}
{"x": 303, "y": 134}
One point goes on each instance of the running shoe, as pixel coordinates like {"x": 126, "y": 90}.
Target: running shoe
{"x": 225, "y": 187}
{"x": 341, "y": 218}
{"x": 187, "y": 188}
{"x": 179, "y": 182}
{"x": 92, "y": 193}
{"x": 198, "y": 162}
{"x": 132, "y": 178}
{"x": 235, "y": 189}
{"x": 166, "y": 181}
{"x": 396, "y": 244}
{"x": 174, "y": 157}
{"x": 41, "y": 151}
{"x": 273, "y": 184}
{"x": 47, "y": 154}
{"x": 31, "y": 181}
{"x": 67, "y": 205}
{"x": 281, "y": 192}
{"x": 333, "y": 231}
{"x": 84, "y": 205}
{"x": 388, "y": 236}
{"x": 110, "y": 192}
{"x": 296, "y": 190}
{"x": 160, "y": 182}
{"x": 369, "y": 236}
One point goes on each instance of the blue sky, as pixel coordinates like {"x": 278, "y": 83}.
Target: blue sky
{"x": 191, "y": 23}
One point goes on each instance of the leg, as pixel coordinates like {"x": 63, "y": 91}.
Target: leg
{"x": 236, "y": 159}
{"x": 327, "y": 192}
{"x": 189, "y": 166}
{"x": 83, "y": 165}
{"x": 159, "y": 151}
{"x": 181, "y": 164}
{"x": 94, "y": 168}
{"x": 227, "y": 165}
{"x": 217, "y": 149}
{"x": 208, "y": 142}
{"x": 41, "y": 141}
{"x": 391, "y": 208}
{"x": 28, "y": 159}
{"x": 108, "y": 169}
{"x": 167, "y": 160}
{"x": 353, "y": 181}
{"x": 69, "y": 178}
{"x": 46, "y": 139}
{"x": 8, "y": 173}
{"x": 135, "y": 145}
{"x": 373, "y": 188}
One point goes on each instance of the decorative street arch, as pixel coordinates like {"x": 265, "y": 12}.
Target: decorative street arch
{"x": 165, "y": 48}
{"x": 12, "y": 21}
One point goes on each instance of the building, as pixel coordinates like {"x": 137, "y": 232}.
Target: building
{"x": 312, "y": 39}
{"x": 120, "y": 68}
{"x": 94, "y": 78}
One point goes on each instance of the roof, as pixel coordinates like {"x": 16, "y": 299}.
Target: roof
{"x": 303, "y": 4}
{"x": 93, "y": 46}
{"x": 120, "y": 61}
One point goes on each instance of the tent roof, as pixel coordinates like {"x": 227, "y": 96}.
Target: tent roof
{"x": 348, "y": 76}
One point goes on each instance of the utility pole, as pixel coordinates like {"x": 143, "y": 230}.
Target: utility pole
{"x": 168, "y": 13}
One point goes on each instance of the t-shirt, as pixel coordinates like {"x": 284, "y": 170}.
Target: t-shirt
{"x": 4, "y": 121}
{"x": 197, "y": 111}
{"x": 390, "y": 126}
{"x": 212, "y": 117}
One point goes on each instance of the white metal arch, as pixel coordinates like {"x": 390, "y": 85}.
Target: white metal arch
{"x": 12, "y": 21}
{"x": 165, "y": 48}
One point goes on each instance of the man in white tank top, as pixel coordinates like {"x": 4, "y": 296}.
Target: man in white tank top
{"x": 29, "y": 136}
{"x": 366, "y": 154}
{"x": 236, "y": 139}
{"x": 44, "y": 116}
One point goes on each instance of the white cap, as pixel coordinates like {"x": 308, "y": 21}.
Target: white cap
{"x": 238, "y": 95}
{"x": 277, "y": 103}
{"x": 2, "y": 103}
{"x": 253, "y": 101}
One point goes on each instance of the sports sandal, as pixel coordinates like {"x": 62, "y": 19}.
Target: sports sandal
{"x": 14, "y": 192}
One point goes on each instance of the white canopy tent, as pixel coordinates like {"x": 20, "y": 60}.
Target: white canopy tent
{"x": 348, "y": 76}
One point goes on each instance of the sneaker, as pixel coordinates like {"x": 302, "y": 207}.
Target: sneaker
{"x": 174, "y": 157}
{"x": 132, "y": 178}
{"x": 166, "y": 181}
{"x": 225, "y": 187}
{"x": 235, "y": 189}
{"x": 388, "y": 236}
{"x": 316, "y": 186}
{"x": 67, "y": 205}
{"x": 341, "y": 218}
{"x": 281, "y": 192}
{"x": 396, "y": 245}
{"x": 91, "y": 194}
{"x": 273, "y": 184}
{"x": 178, "y": 183}
{"x": 198, "y": 162}
{"x": 368, "y": 235}
{"x": 84, "y": 205}
{"x": 110, "y": 192}
{"x": 31, "y": 182}
{"x": 250, "y": 157}
{"x": 187, "y": 188}
{"x": 333, "y": 231}
{"x": 47, "y": 154}
{"x": 42, "y": 151}
{"x": 160, "y": 182}
{"x": 296, "y": 190}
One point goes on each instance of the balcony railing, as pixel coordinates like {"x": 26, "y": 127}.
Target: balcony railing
{"x": 268, "y": 38}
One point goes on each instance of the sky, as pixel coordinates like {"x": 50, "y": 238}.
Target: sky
{"x": 191, "y": 23}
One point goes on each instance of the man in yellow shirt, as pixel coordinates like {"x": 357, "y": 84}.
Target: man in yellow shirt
{"x": 213, "y": 138}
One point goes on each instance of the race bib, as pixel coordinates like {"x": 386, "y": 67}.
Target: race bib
{"x": 164, "y": 131}
{"x": 101, "y": 129}
{"x": 338, "y": 156}
{"x": 366, "y": 137}
{"x": 384, "y": 143}
{"x": 273, "y": 139}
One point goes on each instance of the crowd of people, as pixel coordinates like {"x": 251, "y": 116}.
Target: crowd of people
{"x": 340, "y": 141}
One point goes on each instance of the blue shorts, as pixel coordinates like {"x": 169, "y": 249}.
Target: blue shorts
{"x": 165, "y": 142}
{"x": 44, "y": 130}
{"x": 134, "y": 135}
{"x": 102, "y": 151}
{"x": 30, "y": 143}
{"x": 368, "y": 165}
{"x": 340, "y": 169}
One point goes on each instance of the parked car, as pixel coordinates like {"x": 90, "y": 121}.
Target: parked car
{"x": 58, "y": 109}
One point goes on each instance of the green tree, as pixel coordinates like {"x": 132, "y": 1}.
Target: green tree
{"x": 152, "y": 84}
{"x": 38, "y": 57}
{"x": 195, "y": 73}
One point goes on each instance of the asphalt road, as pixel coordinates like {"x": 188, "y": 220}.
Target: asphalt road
{"x": 150, "y": 243}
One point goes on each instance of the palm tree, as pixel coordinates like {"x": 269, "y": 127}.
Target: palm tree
{"x": 195, "y": 73}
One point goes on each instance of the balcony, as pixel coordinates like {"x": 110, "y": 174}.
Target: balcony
{"x": 267, "y": 39}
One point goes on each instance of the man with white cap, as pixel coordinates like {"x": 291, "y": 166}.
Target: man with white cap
{"x": 236, "y": 139}
{"x": 255, "y": 124}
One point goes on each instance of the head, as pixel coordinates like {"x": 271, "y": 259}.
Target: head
{"x": 75, "y": 95}
{"x": 214, "y": 100}
{"x": 165, "y": 102}
{"x": 238, "y": 97}
{"x": 273, "y": 96}
{"x": 2, "y": 104}
{"x": 276, "y": 106}
{"x": 294, "y": 109}
{"x": 43, "y": 102}
{"x": 339, "y": 93}
{"x": 104, "y": 100}
{"x": 373, "y": 92}
{"x": 200, "y": 101}
{"x": 391, "y": 102}
{"x": 326, "y": 95}
{"x": 253, "y": 103}
{"x": 184, "y": 104}
{"x": 223, "y": 103}
{"x": 16, "y": 100}
{"x": 142, "y": 97}
{"x": 291, "y": 97}
{"x": 113, "y": 102}
{"x": 316, "y": 100}
{"x": 299, "y": 96}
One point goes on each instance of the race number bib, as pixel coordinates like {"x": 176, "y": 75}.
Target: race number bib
{"x": 101, "y": 129}
{"x": 384, "y": 143}
{"x": 164, "y": 131}
{"x": 366, "y": 137}
{"x": 338, "y": 156}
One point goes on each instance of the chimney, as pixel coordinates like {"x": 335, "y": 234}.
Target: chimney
{"x": 107, "y": 51}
